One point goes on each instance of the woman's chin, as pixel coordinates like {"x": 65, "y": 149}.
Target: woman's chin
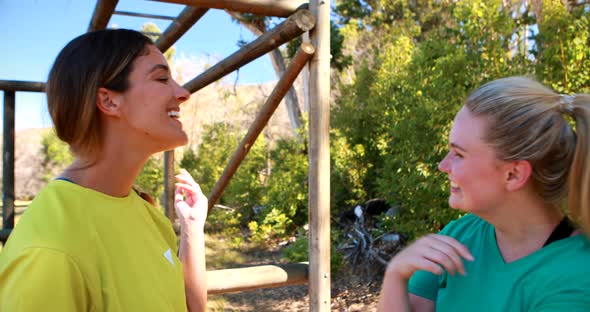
{"x": 454, "y": 203}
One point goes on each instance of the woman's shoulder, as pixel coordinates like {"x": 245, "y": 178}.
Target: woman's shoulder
{"x": 52, "y": 220}
{"x": 466, "y": 225}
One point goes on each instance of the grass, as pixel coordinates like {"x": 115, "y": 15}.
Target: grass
{"x": 219, "y": 253}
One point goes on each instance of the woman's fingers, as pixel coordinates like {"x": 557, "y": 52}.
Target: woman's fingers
{"x": 443, "y": 259}
{"x": 427, "y": 265}
{"x": 450, "y": 252}
{"x": 438, "y": 250}
{"x": 188, "y": 188}
{"x": 459, "y": 248}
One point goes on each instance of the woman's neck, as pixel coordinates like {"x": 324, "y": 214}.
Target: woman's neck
{"x": 113, "y": 176}
{"x": 523, "y": 226}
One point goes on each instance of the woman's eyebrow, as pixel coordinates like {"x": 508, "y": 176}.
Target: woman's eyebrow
{"x": 159, "y": 66}
{"x": 457, "y": 146}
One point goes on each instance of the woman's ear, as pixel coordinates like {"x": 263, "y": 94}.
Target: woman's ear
{"x": 518, "y": 174}
{"x": 108, "y": 102}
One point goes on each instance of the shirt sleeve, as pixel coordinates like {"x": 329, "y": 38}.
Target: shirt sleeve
{"x": 424, "y": 284}
{"x": 42, "y": 279}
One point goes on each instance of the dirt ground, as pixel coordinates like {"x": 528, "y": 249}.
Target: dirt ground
{"x": 349, "y": 291}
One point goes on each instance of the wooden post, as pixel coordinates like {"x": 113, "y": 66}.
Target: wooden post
{"x": 297, "y": 63}
{"x": 169, "y": 185}
{"x": 4, "y": 233}
{"x": 256, "y": 277}
{"x": 185, "y": 20}
{"x": 8, "y": 162}
{"x": 102, "y": 14}
{"x": 319, "y": 160}
{"x": 280, "y": 8}
{"x": 292, "y": 27}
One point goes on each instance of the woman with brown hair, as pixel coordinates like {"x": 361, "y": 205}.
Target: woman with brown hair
{"x": 514, "y": 159}
{"x": 89, "y": 242}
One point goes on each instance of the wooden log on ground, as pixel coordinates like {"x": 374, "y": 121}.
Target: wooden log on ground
{"x": 319, "y": 160}
{"x": 280, "y": 8}
{"x": 185, "y": 20}
{"x": 102, "y": 14}
{"x": 256, "y": 277}
{"x": 292, "y": 27}
{"x": 301, "y": 58}
{"x": 27, "y": 86}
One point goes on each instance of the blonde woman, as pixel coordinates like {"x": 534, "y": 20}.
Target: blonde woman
{"x": 89, "y": 242}
{"x": 513, "y": 159}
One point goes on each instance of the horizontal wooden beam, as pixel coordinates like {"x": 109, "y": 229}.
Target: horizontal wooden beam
{"x": 185, "y": 20}
{"x": 272, "y": 102}
{"x": 27, "y": 86}
{"x": 102, "y": 14}
{"x": 144, "y": 15}
{"x": 256, "y": 277}
{"x": 280, "y": 8}
{"x": 292, "y": 27}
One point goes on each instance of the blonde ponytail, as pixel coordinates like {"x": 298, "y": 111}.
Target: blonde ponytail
{"x": 579, "y": 177}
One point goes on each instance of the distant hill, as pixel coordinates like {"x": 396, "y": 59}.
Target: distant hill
{"x": 217, "y": 103}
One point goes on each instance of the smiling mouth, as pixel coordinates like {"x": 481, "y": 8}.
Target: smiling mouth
{"x": 455, "y": 187}
{"x": 174, "y": 114}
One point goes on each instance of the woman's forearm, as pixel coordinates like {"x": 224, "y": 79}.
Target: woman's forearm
{"x": 394, "y": 294}
{"x": 192, "y": 256}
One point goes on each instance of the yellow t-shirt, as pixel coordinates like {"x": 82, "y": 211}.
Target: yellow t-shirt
{"x": 76, "y": 249}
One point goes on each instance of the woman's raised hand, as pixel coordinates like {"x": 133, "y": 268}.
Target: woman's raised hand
{"x": 189, "y": 201}
{"x": 430, "y": 253}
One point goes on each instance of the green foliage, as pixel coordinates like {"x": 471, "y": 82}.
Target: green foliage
{"x": 226, "y": 221}
{"x": 420, "y": 59}
{"x": 219, "y": 141}
{"x": 274, "y": 225}
{"x": 286, "y": 188}
{"x": 299, "y": 252}
{"x": 349, "y": 172}
{"x": 151, "y": 178}
{"x": 56, "y": 155}
{"x": 275, "y": 181}
{"x": 563, "y": 47}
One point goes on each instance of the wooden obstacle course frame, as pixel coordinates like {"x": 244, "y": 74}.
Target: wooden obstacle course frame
{"x": 299, "y": 21}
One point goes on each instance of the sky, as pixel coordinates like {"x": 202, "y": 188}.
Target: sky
{"x": 32, "y": 32}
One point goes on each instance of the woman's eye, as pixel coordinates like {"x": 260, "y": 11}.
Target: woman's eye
{"x": 163, "y": 79}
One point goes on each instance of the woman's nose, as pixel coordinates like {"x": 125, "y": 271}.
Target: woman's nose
{"x": 444, "y": 164}
{"x": 182, "y": 94}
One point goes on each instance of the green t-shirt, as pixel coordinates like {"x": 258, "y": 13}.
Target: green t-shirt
{"x": 76, "y": 249}
{"x": 553, "y": 278}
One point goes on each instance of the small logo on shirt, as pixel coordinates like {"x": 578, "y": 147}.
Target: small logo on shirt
{"x": 168, "y": 256}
